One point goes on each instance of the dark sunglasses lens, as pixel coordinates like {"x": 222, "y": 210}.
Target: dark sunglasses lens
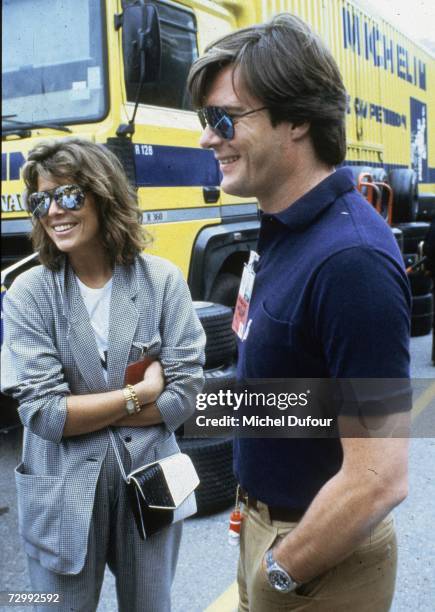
{"x": 69, "y": 197}
{"x": 39, "y": 203}
{"x": 218, "y": 119}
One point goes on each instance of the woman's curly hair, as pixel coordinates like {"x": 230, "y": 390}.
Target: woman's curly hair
{"x": 94, "y": 168}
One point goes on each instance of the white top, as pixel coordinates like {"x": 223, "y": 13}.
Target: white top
{"x": 97, "y": 302}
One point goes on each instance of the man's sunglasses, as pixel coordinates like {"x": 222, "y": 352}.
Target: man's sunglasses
{"x": 68, "y": 197}
{"x": 220, "y": 121}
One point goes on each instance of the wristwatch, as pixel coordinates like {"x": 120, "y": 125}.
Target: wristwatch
{"x": 278, "y": 578}
{"x": 132, "y": 405}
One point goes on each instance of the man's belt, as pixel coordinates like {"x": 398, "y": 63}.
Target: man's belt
{"x": 276, "y": 513}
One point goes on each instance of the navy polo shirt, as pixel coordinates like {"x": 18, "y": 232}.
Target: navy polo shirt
{"x": 331, "y": 299}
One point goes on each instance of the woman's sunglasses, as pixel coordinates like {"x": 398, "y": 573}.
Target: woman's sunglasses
{"x": 220, "y": 121}
{"x": 68, "y": 197}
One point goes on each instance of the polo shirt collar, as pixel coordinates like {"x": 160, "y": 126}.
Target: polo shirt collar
{"x": 303, "y": 212}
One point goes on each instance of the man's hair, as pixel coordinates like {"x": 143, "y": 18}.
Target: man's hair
{"x": 98, "y": 171}
{"x": 286, "y": 66}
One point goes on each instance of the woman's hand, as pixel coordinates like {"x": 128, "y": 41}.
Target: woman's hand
{"x": 152, "y": 385}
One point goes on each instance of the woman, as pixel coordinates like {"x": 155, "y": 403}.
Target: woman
{"x": 72, "y": 325}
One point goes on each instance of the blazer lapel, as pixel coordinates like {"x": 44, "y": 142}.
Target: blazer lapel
{"x": 123, "y": 322}
{"x": 81, "y": 336}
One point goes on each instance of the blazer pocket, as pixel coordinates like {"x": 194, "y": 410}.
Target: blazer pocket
{"x": 40, "y": 501}
{"x": 150, "y": 348}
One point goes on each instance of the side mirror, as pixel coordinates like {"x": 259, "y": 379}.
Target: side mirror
{"x": 141, "y": 42}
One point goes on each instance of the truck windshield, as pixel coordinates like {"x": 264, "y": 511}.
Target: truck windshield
{"x": 53, "y": 62}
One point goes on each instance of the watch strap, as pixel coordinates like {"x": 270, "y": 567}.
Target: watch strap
{"x": 273, "y": 567}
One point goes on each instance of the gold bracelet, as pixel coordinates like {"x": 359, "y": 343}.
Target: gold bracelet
{"x": 134, "y": 397}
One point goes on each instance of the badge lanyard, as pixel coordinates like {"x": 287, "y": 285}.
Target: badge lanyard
{"x": 241, "y": 312}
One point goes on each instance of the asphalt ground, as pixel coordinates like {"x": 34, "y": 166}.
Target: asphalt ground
{"x": 207, "y": 564}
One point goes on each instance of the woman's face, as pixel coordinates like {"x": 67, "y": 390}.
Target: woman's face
{"x": 72, "y": 231}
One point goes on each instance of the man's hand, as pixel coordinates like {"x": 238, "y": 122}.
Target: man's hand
{"x": 371, "y": 482}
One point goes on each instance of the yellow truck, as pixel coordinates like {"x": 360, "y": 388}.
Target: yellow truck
{"x": 114, "y": 71}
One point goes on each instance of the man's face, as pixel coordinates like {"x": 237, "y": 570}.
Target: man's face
{"x": 256, "y": 161}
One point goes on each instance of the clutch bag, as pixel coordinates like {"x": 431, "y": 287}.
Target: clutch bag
{"x": 158, "y": 489}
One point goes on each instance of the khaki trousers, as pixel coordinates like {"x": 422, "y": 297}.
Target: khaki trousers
{"x": 363, "y": 582}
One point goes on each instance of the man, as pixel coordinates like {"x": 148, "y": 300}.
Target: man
{"x": 330, "y": 300}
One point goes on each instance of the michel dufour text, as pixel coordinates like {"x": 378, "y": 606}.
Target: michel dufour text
{"x": 226, "y": 399}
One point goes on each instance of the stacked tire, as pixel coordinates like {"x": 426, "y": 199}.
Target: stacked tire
{"x": 422, "y": 311}
{"x": 405, "y": 194}
{"x": 405, "y": 208}
{"x": 216, "y": 320}
{"x": 413, "y": 234}
{"x": 213, "y": 457}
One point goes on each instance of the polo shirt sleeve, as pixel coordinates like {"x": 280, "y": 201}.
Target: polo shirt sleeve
{"x": 360, "y": 308}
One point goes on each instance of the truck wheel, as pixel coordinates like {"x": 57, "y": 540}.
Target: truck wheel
{"x": 213, "y": 460}
{"x": 405, "y": 194}
{"x": 216, "y": 320}
{"x": 225, "y": 289}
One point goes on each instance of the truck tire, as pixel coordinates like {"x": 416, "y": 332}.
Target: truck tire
{"x": 213, "y": 460}
{"x": 225, "y": 289}
{"x": 216, "y": 320}
{"x": 422, "y": 315}
{"x": 405, "y": 194}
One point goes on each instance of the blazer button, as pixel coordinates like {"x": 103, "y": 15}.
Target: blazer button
{"x": 127, "y": 438}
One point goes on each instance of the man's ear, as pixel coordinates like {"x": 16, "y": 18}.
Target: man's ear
{"x": 297, "y": 132}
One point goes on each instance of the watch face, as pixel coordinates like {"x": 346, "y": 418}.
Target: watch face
{"x": 279, "y": 580}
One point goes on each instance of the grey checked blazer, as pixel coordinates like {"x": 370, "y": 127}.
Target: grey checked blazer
{"x": 49, "y": 351}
